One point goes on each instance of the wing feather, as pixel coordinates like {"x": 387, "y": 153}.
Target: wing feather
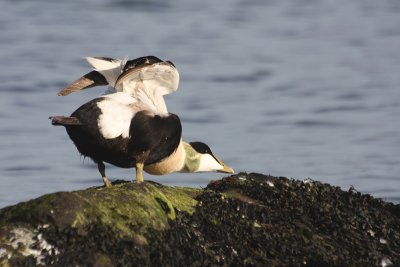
{"x": 140, "y": 62}
{"x": 150, "y": 83}
{"x": 110, "y": 68}
{"x": 88, "y": 80}
{"x": 162, "y": 78}
{"x": 147, "y": 79}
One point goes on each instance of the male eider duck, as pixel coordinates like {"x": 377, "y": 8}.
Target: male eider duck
{"x": 130, "y": 126}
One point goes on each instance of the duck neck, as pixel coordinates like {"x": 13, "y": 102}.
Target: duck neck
{"x": 173, "y": 163}
{"x": 192, "y": 159}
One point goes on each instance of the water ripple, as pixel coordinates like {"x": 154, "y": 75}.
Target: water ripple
{"x": 26, "y": 168}
{"x": 318, "y": 123}
{"x": 340, "y": 108}
{"x": 242, "y": 78}
{"x": 141, "y": 5}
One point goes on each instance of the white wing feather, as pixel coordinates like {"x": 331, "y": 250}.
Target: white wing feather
{"x": 110, "y": 69}
{"x": 148, "y": 84}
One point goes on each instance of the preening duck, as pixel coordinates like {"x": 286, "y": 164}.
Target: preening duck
{"x": 130, "y": 126}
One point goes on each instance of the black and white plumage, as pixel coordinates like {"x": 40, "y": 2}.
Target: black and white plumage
{"x": 130, "y": 126}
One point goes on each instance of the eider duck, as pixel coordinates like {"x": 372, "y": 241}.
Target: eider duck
{"x": 130, "y": 126}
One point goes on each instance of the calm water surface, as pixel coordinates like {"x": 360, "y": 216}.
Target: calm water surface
{"x": 296, "y": 88}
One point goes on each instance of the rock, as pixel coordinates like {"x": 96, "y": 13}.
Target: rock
{"x": 241, "y": 220}
{"x": 81, "y": 224}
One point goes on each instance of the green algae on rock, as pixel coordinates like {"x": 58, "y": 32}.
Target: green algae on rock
{"x": 241, "y": 220}
{"x": 127, "y": 210}
{"x": 117, "y": 207}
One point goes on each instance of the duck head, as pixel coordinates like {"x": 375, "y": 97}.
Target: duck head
{"x": 199, "y": 158}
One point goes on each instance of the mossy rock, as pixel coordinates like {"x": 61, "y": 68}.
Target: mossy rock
{"x": 126, "y": 211}
{"x": 148, "y": 205}
{"x": 241, "y": 220}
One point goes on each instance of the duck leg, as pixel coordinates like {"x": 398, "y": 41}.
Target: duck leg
{"x": 102, "y": 170}
{"x": 139, "y": 172}
{"x": 140, "y": 160}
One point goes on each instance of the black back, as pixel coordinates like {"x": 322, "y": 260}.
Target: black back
{"x": 158, "y": 134}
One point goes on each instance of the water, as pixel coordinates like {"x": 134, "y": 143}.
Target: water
{"x": 296, "y": 88}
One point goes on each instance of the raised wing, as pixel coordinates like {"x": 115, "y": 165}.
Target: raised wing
{"x": 127, "y": 75}
{"x": 149, "y": 82}
{"x": 162, "y": 78}
{"x": 110, "y": 68}
{"x": 106, "y": 71}
{"x": 88, "y": 80}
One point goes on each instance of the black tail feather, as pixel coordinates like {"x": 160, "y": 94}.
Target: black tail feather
{"x": 64, "y": 121}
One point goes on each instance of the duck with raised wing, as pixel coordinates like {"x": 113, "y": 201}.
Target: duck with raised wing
{"x": 130, "y": 126}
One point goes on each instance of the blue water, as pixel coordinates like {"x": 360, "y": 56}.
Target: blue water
{"x": 296, "y": 88}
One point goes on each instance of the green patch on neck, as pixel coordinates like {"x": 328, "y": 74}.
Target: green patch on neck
{"x": 192, "y": 159}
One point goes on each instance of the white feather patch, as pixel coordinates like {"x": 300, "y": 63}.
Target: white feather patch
{"x": 208, "y": 164}
{"x": 162, "y": 78}
{"x": 102, "y": 64}
{"x": 149, "y": 84}
{"x": 117, "y": 112}
{"x": 109, "y": 69}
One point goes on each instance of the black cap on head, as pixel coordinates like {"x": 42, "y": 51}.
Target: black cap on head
{"x": 201, "y": 147}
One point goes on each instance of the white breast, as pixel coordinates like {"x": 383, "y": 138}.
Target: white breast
{"x": 117, "y": 111}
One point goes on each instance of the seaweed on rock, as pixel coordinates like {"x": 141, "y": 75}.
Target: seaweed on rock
{"x": 241, "y": 220}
